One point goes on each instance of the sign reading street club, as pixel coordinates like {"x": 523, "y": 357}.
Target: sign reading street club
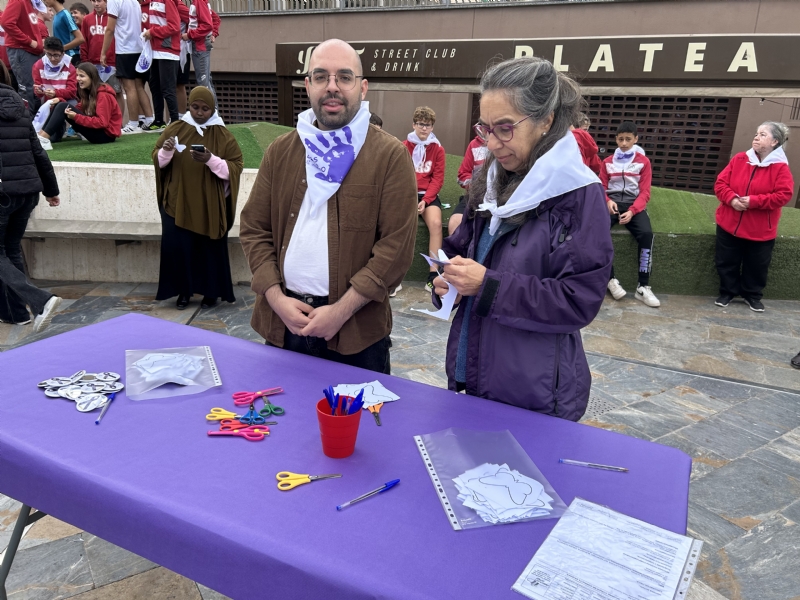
{"x": 710, "y": 59}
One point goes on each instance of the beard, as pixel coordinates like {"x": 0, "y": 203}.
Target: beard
{"x": 336, "y": 121}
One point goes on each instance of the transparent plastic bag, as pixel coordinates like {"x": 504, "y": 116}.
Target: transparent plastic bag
{"x": 452, "y": 453}
{"x": 169, "y": 372}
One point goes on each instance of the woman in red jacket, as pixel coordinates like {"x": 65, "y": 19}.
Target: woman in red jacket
{"x": 97, "y": 116}
{"x": 751, "y": 191}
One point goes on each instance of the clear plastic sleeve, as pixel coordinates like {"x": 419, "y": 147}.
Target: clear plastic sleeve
{"x": 451, "y": 453}
{"x": 169, "y": 372}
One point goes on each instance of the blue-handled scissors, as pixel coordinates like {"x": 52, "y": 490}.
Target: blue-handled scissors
{"x": 251, "y": 417}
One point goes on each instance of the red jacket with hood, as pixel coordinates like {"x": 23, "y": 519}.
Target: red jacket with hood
{"x": 430, "y": 174}
{"x": 107, "y": 115}
{"x": 588, "y": 149}
{"x": 21, "y": 24}
{"x": 769, "y": 185}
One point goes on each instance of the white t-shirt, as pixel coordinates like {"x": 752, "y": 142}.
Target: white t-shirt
{"x": 305, "y": 268}
{"x": 127, "y": 34}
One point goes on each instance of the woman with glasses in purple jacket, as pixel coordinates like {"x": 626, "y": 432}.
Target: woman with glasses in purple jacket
{"x": 533, "y": 256}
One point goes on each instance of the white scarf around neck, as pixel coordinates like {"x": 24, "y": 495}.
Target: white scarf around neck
{"x": 215, "y": 119}
{"x": 558, "y": 171}
{"x": 53, "y": 70}
{"x": 39, "y": 6}
{"x": 418, "y": 156}
{"x": 624, "y": 158}
{"x": 330, "y": 154}
{"x": 774, "y": 157}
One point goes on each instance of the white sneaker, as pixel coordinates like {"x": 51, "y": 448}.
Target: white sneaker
{"x": 129, "y": 129}
{"x": 616, "y": 289}
{"x": 393, "y": 293}
{"x": 43, "y": 320}
{"x": 46, "y": 144}
{"x": 645, "y": 294}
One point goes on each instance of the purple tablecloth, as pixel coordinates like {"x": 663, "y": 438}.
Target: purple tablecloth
{"x": 149, "y": 479}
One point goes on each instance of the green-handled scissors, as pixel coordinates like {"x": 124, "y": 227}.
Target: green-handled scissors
{"x": 288, "y": 480}
{"x": 270, "y": 409}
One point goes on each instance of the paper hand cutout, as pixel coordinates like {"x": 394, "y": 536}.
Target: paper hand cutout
{"x": 179, "y": 147}
{"x": 518, "y": 491}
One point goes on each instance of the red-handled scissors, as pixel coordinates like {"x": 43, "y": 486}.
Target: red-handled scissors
{"x": 245, "y": 398}
{"x": 235, "y": 424}
{"x": 254, "y": 433}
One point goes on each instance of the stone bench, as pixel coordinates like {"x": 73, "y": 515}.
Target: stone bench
{"x": 108, "y": 227}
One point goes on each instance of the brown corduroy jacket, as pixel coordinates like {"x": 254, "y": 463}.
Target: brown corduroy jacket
{"x": 372, "y": 226}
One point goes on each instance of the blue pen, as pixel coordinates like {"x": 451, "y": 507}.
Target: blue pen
{"x": 335, "y": 404}
{"x": 105, "y": 408}
{"x": 328, "y": 397}
{"x": 385, "y": 487}
{"x": 356, "y": 405}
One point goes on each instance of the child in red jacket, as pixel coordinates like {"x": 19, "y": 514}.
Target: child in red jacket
{"x": 428, "y": 157}
{"x": 97, "y": 116}
{"x": 626, "y": 176}
{"x": 751, "y": 191}
{"x": 20, "y": 21}
{"x": 473, "y": 160}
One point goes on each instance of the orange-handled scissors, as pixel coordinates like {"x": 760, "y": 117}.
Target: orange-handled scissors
{"x": 288, "y": 480}
{"x": 375, "y": 409}
{"x": 245, "y": 398}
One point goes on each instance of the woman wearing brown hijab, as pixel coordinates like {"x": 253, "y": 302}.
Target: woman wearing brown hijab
{"x": 197, "y": 199}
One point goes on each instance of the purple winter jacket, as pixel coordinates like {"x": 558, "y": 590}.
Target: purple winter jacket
{"x": 544, "y": 282}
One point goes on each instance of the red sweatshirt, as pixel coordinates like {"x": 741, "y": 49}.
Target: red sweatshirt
{"x": 430, "y": 176}
{"x": 93, "y": 29}
{"x": 588, "y": 149}
{"x": 769, "y": 185}
{"x": 21, "y": 24}
{"x": 145, "y": 6}
{"x": 3, "y": 51}
{"x": 200, "y": 25}
{"x": 476, "y": 154}
{"x": 165, "y": 28}
{"x": 64, "y": 82}
{"x": 107, "y": 114}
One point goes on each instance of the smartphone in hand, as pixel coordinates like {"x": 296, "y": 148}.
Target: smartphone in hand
{"x": 198, "y": 148}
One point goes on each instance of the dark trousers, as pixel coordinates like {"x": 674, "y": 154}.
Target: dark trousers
{"x": 163, "y": 85}
{"x": 640, "y": 229}
{"x": 16, "y": 292}
{"x": 54, "y": 127}
{"x": 373, "y": 358}
{"x": 742, "y": 265}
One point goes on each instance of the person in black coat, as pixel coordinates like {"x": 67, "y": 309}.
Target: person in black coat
{"x": 25, "y": 171}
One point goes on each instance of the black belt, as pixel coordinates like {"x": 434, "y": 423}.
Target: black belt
{"x": 314, "y": 301}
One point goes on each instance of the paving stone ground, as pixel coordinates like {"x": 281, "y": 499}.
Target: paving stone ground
{"x": 664, "y": 375}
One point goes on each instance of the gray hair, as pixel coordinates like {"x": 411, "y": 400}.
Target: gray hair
{"x": 533, "y": 87}
{"x": 779, "y": 132}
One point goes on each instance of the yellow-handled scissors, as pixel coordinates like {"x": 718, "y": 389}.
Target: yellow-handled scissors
{"x": 288, "y": 480}
{"x": 218, "y": 414}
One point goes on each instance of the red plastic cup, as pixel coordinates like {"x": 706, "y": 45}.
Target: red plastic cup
{"x": 338, "y": 433}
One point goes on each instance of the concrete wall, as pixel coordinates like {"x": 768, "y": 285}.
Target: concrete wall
{"x": 123, "y": 194}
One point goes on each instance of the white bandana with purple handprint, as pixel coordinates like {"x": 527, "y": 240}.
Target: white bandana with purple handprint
{"x": 330, "y": 154}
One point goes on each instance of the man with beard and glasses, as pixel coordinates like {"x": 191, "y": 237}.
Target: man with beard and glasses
{"x": 331, "y": 222}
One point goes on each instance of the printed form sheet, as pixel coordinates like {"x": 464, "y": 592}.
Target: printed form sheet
{"x": 595, "y": 553}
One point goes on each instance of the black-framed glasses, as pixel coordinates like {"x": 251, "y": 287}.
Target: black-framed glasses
{"x": 54, "y": 55}
{"x": 503, "y": 132}
{"x": 424, "y": 125}
{"x": 345, "y": 80}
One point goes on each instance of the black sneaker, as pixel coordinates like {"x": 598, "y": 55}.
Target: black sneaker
{"x": 795, "y": 362}
{"x": 724, "y": 300}
{"x": 755, "y": 305}
{"x": 182, "y": 302}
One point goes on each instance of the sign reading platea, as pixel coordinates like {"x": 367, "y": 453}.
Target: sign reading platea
{"x": 710, "y": 59}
